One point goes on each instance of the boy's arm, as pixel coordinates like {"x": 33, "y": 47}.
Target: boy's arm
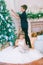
{"x": 15, "y": 15}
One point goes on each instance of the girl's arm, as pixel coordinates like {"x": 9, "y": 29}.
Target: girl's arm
{"x": 15, "y": 15}
{"x": 16, "y": 43}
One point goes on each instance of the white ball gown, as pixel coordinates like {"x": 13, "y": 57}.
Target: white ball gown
{"x": 13, "y": 55}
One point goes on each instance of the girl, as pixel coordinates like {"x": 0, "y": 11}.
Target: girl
{"x": 21, "y": 43}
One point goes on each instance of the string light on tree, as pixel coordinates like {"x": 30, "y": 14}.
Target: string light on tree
{"x": 6, "y": 17}
{"x": 1, "y": 7}
{"x": 8, "y": 25}
{"x": 9, "y": 30}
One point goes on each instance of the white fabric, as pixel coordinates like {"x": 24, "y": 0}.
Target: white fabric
{"x": 19, "y": 54}
{"x": 39, "y": 43}
{"x": 40, "y": 37}
{"x": 21, "y": 42}
{"x": 13, "y": 55}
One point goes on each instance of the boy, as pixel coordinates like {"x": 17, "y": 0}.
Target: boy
{"x": 24, "y": 23}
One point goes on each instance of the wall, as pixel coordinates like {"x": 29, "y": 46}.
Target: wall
{"x": 33, "y": 5}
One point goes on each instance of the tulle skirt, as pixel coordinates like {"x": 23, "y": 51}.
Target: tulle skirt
{"x": 14, "y": 55}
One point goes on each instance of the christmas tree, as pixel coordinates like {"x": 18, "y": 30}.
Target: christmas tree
{"x": 7, "y": 29}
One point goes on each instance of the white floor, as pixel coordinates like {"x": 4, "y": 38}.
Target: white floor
{"x": 13, "y": 55}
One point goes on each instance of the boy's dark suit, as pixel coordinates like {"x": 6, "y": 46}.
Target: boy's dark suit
{"x": 24, "y": 26}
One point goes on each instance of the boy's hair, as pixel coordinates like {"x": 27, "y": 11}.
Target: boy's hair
{"x": 24, "y": 7}
{"x": 21, "y": 33}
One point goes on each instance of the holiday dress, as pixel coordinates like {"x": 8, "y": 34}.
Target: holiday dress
{"x": 19, "y": 55}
